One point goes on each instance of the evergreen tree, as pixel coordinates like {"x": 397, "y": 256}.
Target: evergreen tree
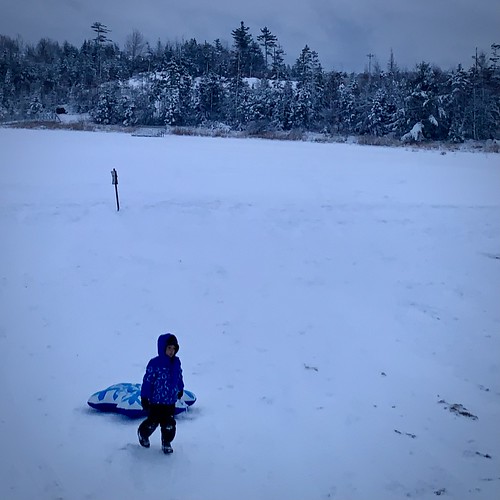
{"x": 425, "y": 102}
{"x": 210, "y": 98}
{"x": 495, "y": 87}
{"x": 308, "y": 103}
{"x": 67, "y": 74}
{"x": 495, "y": 57}
{"x": 304, "y": 67}
{"x": 172, "y": 91}
{"x": 302, "y": 115}
{"x": 485, "y": 100}
{"x": 257, "y": 67}
{"x": 459, "y": 110}
{"x": 222, "y": 59}
{"x": 380, "y": 115}
{"x": 269, "y": 42}
{"x": 241, "y": 37}
{"x": 348, "y": 117}
{"x": 237, "y": 108}
{"x": 333, "y": 80}
{"x": 127, "y": 108}
{"x": 248, "y": 58}
{"x": 278, "y": 67}
{"x": 143, "y": 107}
{"x": 7, "y": 93}
{"x": 241, "y": 41}
{"x": 101, "y": 31}
{"x": 281, "y": 113}
{"x": 105, "y": 112}
{"x": 262, "y": 103}
{"x": 101, "y": 38}
{"x": 392, "y": 67}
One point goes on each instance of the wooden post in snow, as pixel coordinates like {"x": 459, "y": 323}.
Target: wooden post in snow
{"x": 114, "y": 181}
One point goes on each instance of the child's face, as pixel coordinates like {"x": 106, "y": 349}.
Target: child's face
{"x": 170, "y": 351}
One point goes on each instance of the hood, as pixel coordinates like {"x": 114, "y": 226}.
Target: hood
{"x": 164, "y": 340}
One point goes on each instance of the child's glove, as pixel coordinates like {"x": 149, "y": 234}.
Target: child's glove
{"x": 145, "y": 403}
{"x": 180, "y": 394}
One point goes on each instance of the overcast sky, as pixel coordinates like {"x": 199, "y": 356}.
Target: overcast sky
{"x": 343, "y": 32}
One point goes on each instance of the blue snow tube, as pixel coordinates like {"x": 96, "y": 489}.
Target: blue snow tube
{"x": 125, "y": 398}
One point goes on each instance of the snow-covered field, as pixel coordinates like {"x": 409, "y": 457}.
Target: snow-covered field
{"x": 332, "y": 302}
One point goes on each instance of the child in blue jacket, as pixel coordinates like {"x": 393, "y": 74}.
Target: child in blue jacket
{"x": 162, "y": 386}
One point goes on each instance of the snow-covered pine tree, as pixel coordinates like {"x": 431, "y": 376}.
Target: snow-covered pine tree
{"x": 278, "y": 66}
{"x": 261, "y": 106}
{"x": 172, "y": 92}
{"x": 348, "y": 115}
{"x": 221, "y": 59}
{"x": 126, "y": 111}
{"x": 308, "y": 102}
{"x": 485, "y": 98}
{"x": 269, "y": 42}
{"x": 281, "y": 113}
{"x": 458, "y": 106}
{"x": 172, "y": 95}
{"x": 380, "y": 115}
{"x": 301, "y": 115}
{"x": 242, "y": 40}
{"x": 331, "y": 98}
{"x": 425, "y": 102}
{"x": 238, "y": 103}
{"x": 106, "y": 111}
{"x": 210, "y": 98}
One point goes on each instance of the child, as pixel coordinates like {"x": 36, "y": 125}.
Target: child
{"x": 161, "y": 387}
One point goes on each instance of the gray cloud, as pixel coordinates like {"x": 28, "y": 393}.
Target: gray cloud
{"x": 343, "y": 32}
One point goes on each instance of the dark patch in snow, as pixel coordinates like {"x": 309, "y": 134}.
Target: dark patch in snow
{"x": 458, "y": 409}
{"x": 484, "y": 455}
{"x": 427, "y": 310}
{"x": 307, "y": 367}
{"x": 439, "y": 492}
{"x": 493, "y": 256}
{"x": 413, "y": 436}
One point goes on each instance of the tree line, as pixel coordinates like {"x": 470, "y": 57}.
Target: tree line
{"x": 245, "y": 86}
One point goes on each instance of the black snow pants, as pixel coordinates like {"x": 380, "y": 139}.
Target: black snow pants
{"x": 162, "y": 415}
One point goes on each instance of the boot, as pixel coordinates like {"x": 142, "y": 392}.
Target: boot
{"x": 143, "y": 441}
{"x": 166, "y": 447}
{"x": 167, "y": 435}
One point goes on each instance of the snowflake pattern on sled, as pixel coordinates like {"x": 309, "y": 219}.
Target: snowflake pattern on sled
{"x": 125, "y": 399}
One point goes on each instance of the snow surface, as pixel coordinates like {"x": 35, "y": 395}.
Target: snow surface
{"x": 331, "y": 301}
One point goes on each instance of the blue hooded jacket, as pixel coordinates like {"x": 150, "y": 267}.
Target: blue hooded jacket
{"x": 163, "y": 378}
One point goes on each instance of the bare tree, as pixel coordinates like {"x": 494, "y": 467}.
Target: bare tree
{"x": 135, "y": 44}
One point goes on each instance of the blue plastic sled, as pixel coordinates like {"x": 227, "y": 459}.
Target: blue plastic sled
{"x": 125, "y": 398}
